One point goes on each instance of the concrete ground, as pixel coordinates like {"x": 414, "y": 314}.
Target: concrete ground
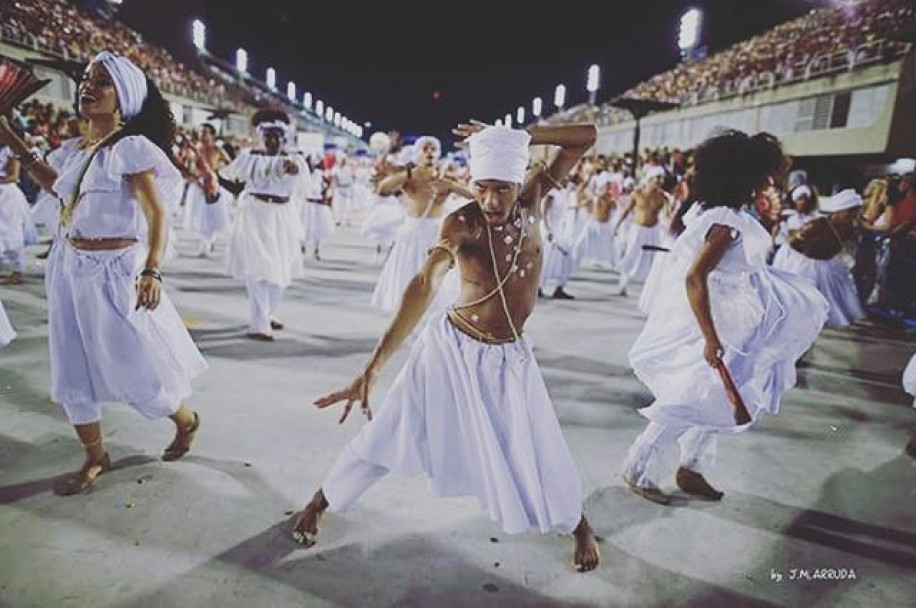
{"x": 824, "y": 489}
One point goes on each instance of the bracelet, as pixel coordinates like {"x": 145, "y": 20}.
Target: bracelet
{"x": 152, "y": 273}
{"x": 28, "y": 159}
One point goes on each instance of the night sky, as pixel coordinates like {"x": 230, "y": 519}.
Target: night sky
{"x": 383, "y": 64}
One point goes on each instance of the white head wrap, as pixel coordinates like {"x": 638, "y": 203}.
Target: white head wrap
{"x": 841, "y": 201}
{"x": 418, "y": 147}
{"x": 379, "y": 142}
{"x": 276, "y": 124}
{"x": 499, "y": 153}
{"x": 652, "y": 172}
{"x": 800, "y": 192}
{"x": 129, "y": 82}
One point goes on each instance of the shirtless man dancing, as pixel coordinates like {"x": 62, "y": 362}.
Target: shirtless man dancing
{"x": 646, "y": 204}
{"x": 425, "y": 192}
{"x": 470, "y": 408}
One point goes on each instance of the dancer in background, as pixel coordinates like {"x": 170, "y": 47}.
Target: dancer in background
{"x": 206, "y": 203}
{"x": 265, "y": 245}
{"x": 317, "y": 219}
{"x": 385, "y": 218}
{"x": 559, "y": 250}
{"x": 470, "y": 408}
{"x": 113, "y": 334}
{"x": 723, "y": 307}
{"x": 425, "y": 192}
{"x": 818, "y": 252}
{"x": 16, "y": 227}
{"x": 647, "y": 204}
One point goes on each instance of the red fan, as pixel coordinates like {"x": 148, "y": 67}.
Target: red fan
{"x": 17, "y": 83}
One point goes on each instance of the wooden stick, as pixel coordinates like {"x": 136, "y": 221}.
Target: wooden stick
{"x": 739, "y": 410}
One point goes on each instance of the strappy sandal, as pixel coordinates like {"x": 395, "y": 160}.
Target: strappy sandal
{"x": 182, "y": 442}
{"x": 653, "y": 494}
{"x": 82, "y": 481}
{"x": 304, "y": 537}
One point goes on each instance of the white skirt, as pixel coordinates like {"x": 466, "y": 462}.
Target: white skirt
{"x": 909, "y": 378}
{"x": 636, "y": 262}
{"x": 16, "y": 227}
{"x": 831, "y": 277}
{"x": 266, "y": 242}
{"x": 102, "y": 349}
{"x": 7, "y": 333}
{"x": 317, "y": 222}
{"x": 477, "y": 420}
{"x": 46, "y": 210}
{"x": 656, "y": 278}
{"x": 559, "y": 258}
{"x": 766, "y": 321}
{"x": 597, "y": 243}
{"x": 385, "y": 220}
{"x": 405, "y": 260}
{"x": 206, "y": 218}
{"x": 363, "y": 197}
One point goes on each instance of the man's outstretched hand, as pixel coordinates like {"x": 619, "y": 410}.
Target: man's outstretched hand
{"x": 465, "y": 130}
{"x": 357, "y": 391}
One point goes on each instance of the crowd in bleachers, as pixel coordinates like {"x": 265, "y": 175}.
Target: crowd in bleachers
{"x": 59, "y": 28}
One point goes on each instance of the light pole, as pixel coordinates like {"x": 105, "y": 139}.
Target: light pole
{"x": 508, "y": 120}
{"x": 559, "y": 96}
{"x": 241, "y": 61}
{"x": 271, "y": 79}
{"x": 291, "y": 90}
{"x": 307, "y": 100}
{"x": 319, "y": 108}
{"x": 592, "y": 83}
{"x": 688, "y": 37}
{"x": 537, "y": 107}
{"x": 199, "y": 34}
{"x": 520, "y": 115}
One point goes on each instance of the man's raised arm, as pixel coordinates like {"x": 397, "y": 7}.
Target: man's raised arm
{"x": 573, "y": 140}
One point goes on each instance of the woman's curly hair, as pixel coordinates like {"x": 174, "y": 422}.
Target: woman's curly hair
{"x": 731, "y": 166}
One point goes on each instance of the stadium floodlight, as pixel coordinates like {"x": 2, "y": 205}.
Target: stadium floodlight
{"x": 307, "y": 100}
{"x": 241, "y": 60}
{"x": 537, "y": 107}
{"x": 592, "y": 83}
{"x": 199, "y": 34}
{"x": 499, "y": 122}
{"x": 508, "y": 120}
{"x": 337, "y": 119}
{"x": 319, "y": 108}
{"x": 271, "y": 78}
{"x": 291, "y": 90}
{"x": 520, "y": 115}
{"x": 329, "y": 114}
{"x": 689, "y": 32}
{"x": 559, "y": 96}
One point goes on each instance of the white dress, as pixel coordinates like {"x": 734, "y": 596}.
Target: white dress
{"x": 7, "y": 333}
{"x": 831, "y": 277}
{"x": 103, "y": 349}
{"x": 206, "y": 218}
{"x": 636, "y": 262}
{"x": 766, "y": 320}
{"x": 317, "y": 220}
{"x": 559, "y": 253}
{"x": 596, "y": 244}
{"x": 16, "y": 226}
{"x": 385, "y": 220}
{"x": 909, "y": 378}
{"x": 477, "y": 420}
{"x": 46, "y": 209}
{"x": 265, "y": 242}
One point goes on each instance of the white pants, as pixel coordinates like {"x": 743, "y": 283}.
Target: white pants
{"x": 87, "y": 413}
{"x": 264, "y": 298}
{"x": 646, "y": 455}
{"x": 16, "y": 259}
{"x": 348, "y": 479}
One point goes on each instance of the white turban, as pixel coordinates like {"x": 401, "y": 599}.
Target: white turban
{"x": 284, "y": 128}
{"x": 652, "y": 172}
{"x": 418, "y": 147}
{"x": 499, "y": 153}
{"x": 380, "y": 142}
{"x": 800, "y": 192}
{"x": 841, "y": 201}
{"x": 129, "y": 82}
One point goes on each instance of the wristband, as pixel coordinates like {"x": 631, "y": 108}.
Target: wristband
{"x": 151, "y": 273}
{"x": 28, "y": 159}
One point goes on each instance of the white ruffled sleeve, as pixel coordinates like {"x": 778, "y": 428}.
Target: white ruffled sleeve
{"x": 59, "y": 155}
{"x": 239, "y": 169}
{"x": 136, "y": 154}
{"x": 692, "y": 240}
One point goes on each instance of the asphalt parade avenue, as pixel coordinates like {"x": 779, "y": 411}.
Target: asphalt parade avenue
{"x": 818, "y": 508}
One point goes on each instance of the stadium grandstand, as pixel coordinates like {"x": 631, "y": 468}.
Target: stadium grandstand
{"x": 58, "y": 37}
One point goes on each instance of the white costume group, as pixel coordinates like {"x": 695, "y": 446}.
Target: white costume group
{"x": 102, "y": 348}
{"x": 766, "y": 320}
{"x": 206, "y": 213}
{"x": 474, "y": 417}
{"x": 265, "y": 244}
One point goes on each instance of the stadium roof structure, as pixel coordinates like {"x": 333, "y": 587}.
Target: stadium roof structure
{"x": 642, "y": 107}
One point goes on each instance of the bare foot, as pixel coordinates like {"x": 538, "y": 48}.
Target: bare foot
{"x": 653, "y": 494}
{"x": 305, "y": 530}
{"x": 695, "y": 484}
{"x": 587, "y": 556}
